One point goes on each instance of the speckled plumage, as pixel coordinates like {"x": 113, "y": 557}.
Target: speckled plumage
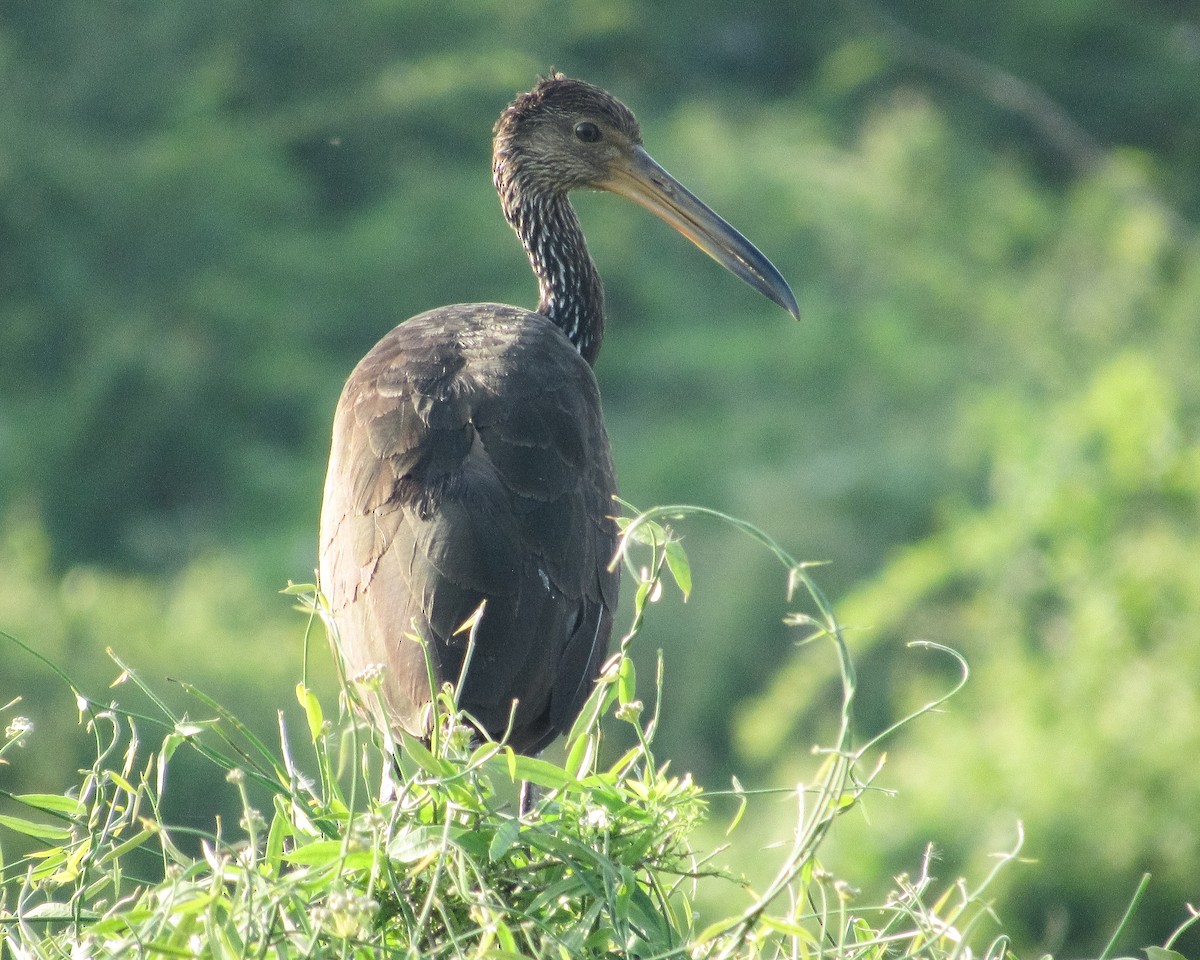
{"x": 533, "y": 181}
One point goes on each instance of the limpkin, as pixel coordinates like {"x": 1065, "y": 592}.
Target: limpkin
{"x": 470, "y": 460}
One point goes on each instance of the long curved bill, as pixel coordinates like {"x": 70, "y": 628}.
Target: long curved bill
{"x": 639, "y": 178}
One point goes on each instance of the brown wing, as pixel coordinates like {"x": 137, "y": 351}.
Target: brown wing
{"x": 470, "y": 462}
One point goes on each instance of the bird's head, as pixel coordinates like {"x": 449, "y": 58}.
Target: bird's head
{"x": 565, "y": 134}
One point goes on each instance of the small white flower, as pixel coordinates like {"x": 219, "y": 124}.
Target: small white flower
{"x": 371, "y": 676}
{"x": 252, "y": 819}
{"x": 17, "y": 728}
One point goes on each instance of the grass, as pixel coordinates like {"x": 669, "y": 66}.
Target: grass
{"x": 348, "y": 856}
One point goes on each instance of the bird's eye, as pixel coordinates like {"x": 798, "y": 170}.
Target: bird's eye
{"x": 587, "y": 131}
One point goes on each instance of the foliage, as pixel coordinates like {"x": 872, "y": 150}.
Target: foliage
{"x": 208, "y": 218}
{"x": 194, "y": 624}
{"x": 435, "y": 863}
{"x": 1071, "y": 588}
{"x": 208, "y": 214}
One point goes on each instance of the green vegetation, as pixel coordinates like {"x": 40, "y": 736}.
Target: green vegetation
{"x": 434, "y": 863}
{"x": 988, "y": 423}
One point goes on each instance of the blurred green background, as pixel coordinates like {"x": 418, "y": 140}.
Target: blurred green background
{"x": 986, "y": 423}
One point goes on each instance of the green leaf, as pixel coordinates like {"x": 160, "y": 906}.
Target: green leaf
{"x": 132, "y": 843}
{"x": 790, "y": 929}
{"x": 322, "y": 853}
{"x": 681, "y": 570}
{"x": 51, "y": 803}
{"x": 192, "y": 903}
{"x": 280, "y": 829}
{"x": 643, "y": 912}
{"x": 312, "y": 711}
{"x": 581, "y": 756}
{"x": 626, "y": 682}
{"x": 417, "y": 843}
{"x": 743, "y": 803}
{"x": 171, "y": 743}
{"x": 542, "y": 772}
{"x": 50, "y": 910}
{"x": 420, "y": 753}
{"x": 714, "y": 930}
{"x": 506, "y": 940}
{"x": 601, "y": 698}
{"x": 316, "y": 854}
{"x": 120, "y": 781}
{"x": 503, "y": 839}
{"x": 647, "y": 591}
{"x": 30, "y": 829}
{"x": 1162, "y": 953}
{"x": 649, "y": 533}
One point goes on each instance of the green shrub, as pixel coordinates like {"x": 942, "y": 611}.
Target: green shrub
{"x": 347, "y": 855}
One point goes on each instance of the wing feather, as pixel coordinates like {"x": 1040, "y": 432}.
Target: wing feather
{"x": 470, "y": 462}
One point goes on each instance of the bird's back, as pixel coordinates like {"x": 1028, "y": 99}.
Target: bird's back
{"x": 470, "y": 462}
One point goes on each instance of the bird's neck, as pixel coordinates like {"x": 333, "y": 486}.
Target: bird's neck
{"x": 569, "y": 289}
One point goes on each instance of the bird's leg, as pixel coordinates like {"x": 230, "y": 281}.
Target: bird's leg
{"x": 389, "y": 778}
{"x": 529, "y": 795}
{"x": 527, "y": 799}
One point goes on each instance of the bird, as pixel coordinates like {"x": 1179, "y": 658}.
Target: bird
{"x": 470, "y": 475}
